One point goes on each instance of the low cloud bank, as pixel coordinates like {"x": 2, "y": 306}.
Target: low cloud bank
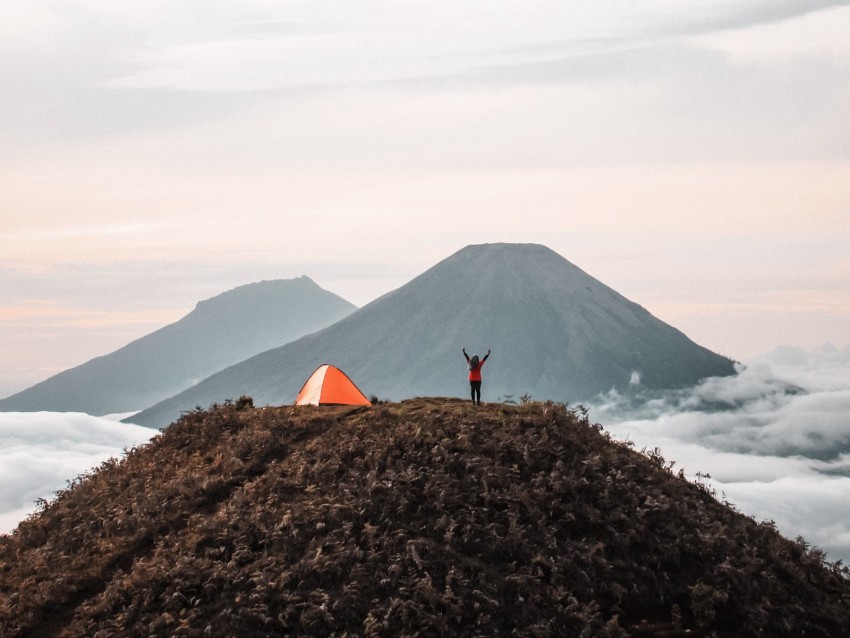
{"x": 41, "y": 451}
{"x": 775, "y": 438}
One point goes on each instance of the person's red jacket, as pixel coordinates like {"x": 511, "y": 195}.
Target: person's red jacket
{"x": 475, "y": 373}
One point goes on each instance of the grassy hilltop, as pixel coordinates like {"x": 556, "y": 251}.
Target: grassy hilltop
{"x": 428, "y": 517}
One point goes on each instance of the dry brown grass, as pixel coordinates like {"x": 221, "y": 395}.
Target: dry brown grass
{"x": 427, "y": 518}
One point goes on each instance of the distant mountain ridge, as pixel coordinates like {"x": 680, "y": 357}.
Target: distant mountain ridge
{"x": 555, "y": 331}
{"x": 219, "y": 332}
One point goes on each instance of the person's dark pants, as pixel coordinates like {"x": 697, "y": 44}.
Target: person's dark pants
{"x": 475, "y": 390}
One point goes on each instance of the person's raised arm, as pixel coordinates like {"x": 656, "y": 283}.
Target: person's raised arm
{"x": 465, "y": 355}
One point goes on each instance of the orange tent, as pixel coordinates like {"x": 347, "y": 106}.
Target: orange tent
{"x": 329, "y": 385}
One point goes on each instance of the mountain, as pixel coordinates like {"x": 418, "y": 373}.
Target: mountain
{"x": 424, "y": 518}
{"x": 555, "y": 333}
{"x": 219, "y": 332}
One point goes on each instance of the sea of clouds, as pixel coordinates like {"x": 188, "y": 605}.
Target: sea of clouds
{"x": 774, "y": 439}
{"x": 40, "y": 452}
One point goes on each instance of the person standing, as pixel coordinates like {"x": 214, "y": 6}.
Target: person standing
{"x": 475, "y": 364}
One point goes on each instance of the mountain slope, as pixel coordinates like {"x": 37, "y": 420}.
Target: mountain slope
{"x": 555, "y": 331}
{"x": 219, "y": 332}
{"x": 427, "y": 518}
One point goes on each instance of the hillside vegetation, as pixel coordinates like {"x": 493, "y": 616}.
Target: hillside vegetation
{"x": 424, "y": 518}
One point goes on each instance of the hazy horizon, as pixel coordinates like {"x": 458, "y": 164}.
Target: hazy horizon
{"x": 7, "y": 389}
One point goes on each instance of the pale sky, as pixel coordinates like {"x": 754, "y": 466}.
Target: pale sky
{"x": 694, "y": 156}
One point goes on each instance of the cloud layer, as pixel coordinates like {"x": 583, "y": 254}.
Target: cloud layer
{"x": 41, "y": 451}
{"x": 775, "y": 439}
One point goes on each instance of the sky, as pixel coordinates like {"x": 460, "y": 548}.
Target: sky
{"x": 693, "y": 156}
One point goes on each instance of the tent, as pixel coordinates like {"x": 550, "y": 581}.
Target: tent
{"x": 330, "y": 385}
